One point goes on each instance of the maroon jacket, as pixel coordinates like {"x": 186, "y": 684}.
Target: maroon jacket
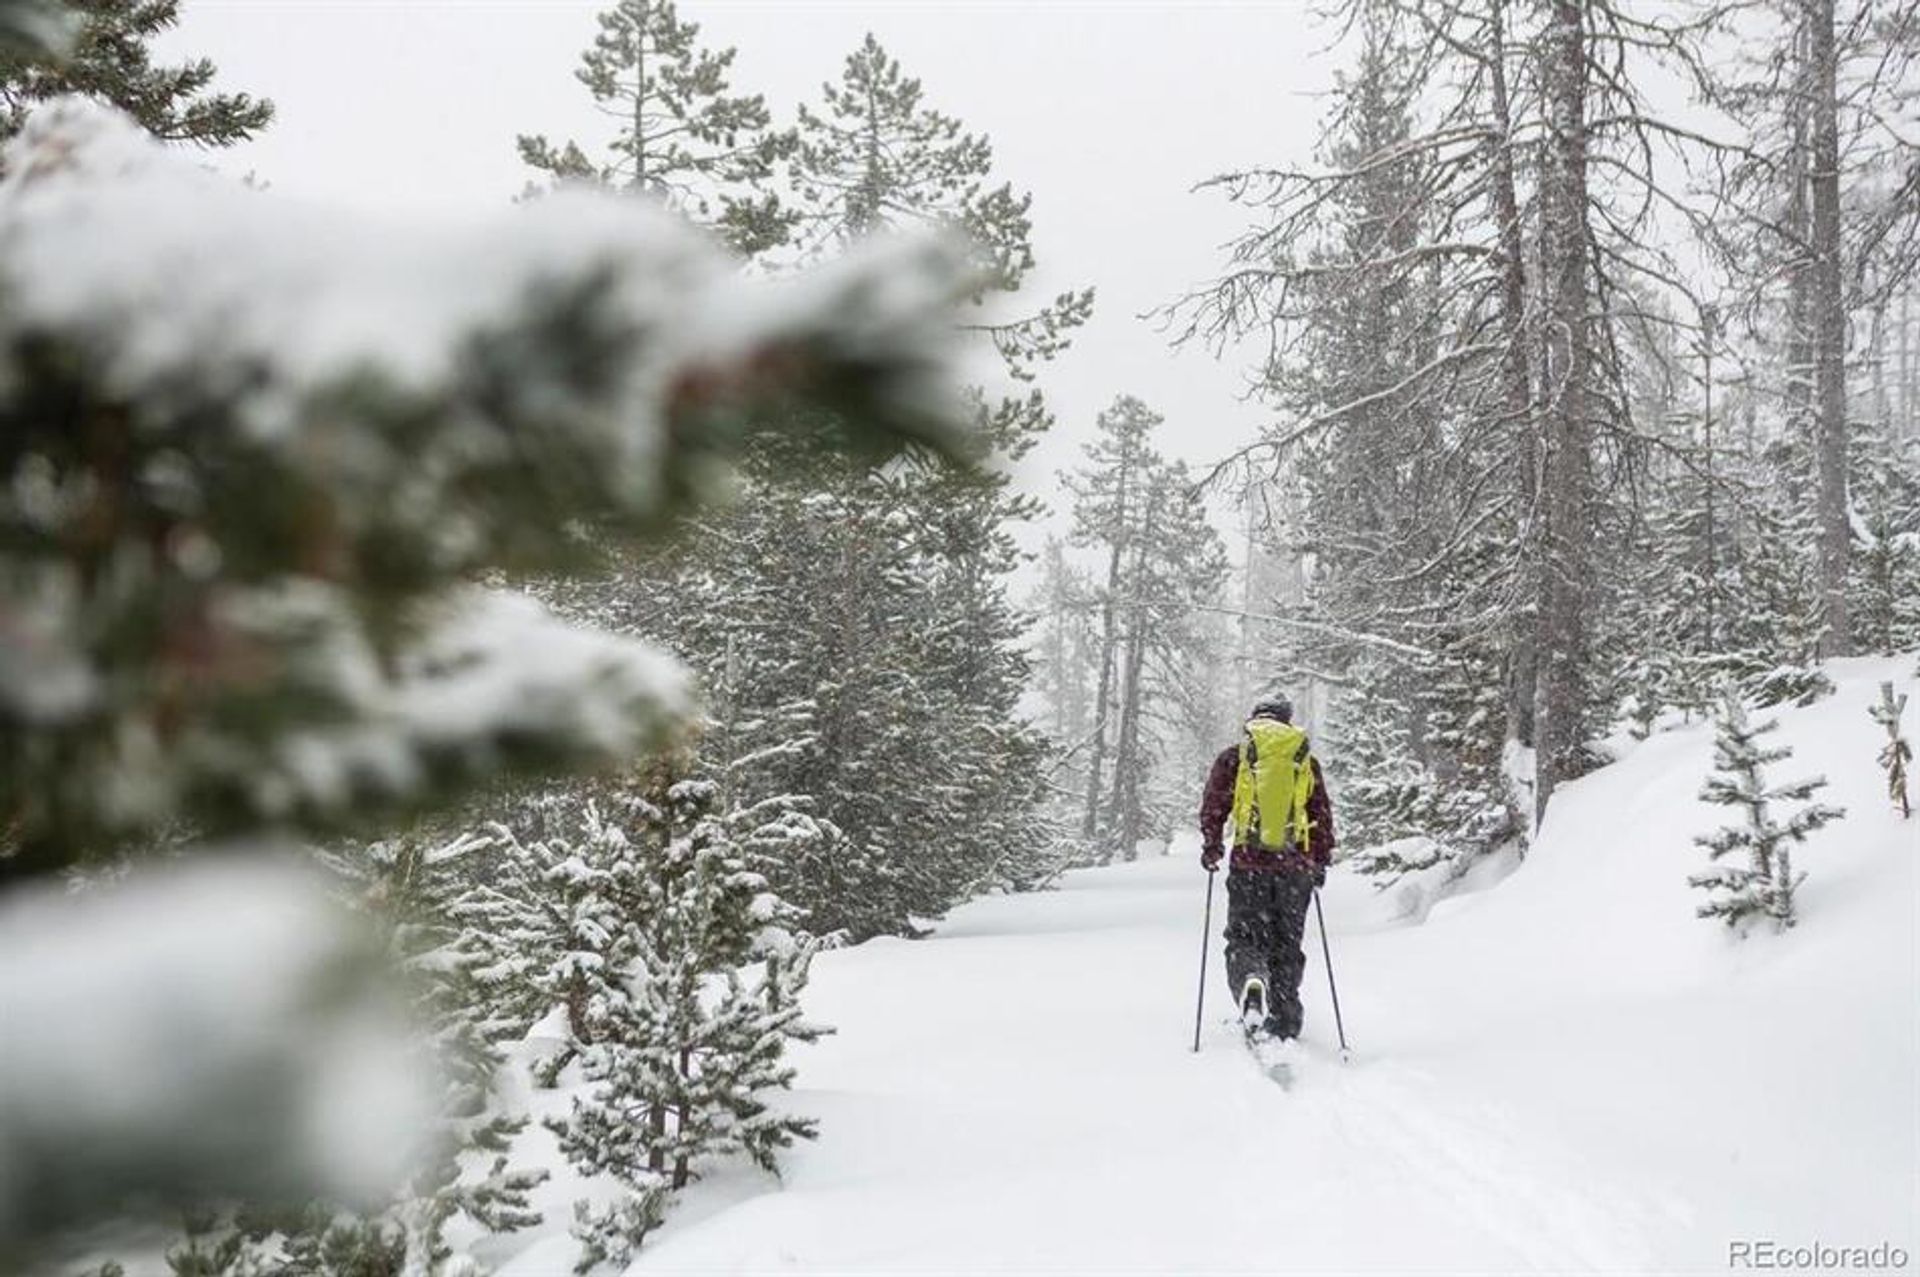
{"x": 1216, "y": 809}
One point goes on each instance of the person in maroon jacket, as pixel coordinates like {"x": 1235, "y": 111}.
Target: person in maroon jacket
{"x": 1268, "y": 891}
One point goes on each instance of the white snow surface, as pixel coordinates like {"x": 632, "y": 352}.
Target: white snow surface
{"x": 1559, "y": 1069}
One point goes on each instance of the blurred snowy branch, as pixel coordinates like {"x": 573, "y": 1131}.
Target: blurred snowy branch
{"x": 250, "y": 447}
{"x": 196, "y": 1031}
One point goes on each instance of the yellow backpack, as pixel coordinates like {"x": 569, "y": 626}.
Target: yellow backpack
{"x": 1270, "y": 793}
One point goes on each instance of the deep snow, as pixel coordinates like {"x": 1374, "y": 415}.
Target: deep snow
{"x": 1561, "y": 1070}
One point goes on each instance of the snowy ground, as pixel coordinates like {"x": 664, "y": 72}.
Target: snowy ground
{"x": 1565, "y": 1070}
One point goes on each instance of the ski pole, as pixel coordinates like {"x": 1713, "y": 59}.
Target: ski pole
{"x": 1332, "y": 988}
{"x": 1206, "y": 932}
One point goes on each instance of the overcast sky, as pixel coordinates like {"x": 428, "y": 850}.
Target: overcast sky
{"x": 1108, "y": 112}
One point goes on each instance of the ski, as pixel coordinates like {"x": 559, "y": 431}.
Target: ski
{"x": 1276, "y": 1058}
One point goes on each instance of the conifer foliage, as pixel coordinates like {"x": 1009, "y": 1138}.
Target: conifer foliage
{"x": 677, "y": 1045}
{"x": 108, "y": 57}
{"x": 874, "y": 155}
{"x": 1764, "y": 886}
{"x": 683, "y": 135}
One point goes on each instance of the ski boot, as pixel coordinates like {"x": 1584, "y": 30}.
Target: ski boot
{"x": 1253, "y": 1008}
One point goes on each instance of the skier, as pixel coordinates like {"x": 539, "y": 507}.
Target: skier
{"x": 1270, "y": 786}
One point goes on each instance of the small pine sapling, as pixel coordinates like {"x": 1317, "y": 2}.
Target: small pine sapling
{"x": 1896, "y": 753}
{"x": 1765, "y": 885}
{"x": 696, "y": 980}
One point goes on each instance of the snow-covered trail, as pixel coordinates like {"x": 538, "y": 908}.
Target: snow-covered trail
{"x": 1018, "y": 1094}
{"x": 1565, "y": 1071}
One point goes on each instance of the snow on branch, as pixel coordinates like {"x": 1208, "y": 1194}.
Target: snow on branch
{"x": 254, "y": 450}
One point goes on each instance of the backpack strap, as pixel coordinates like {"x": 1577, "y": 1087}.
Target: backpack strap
{"x": 1252, "y": 754}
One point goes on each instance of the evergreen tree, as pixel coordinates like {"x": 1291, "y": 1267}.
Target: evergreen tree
{"x": 1382, "y": 789}
{"x": 1896, "y": 753}
{"x": 1884, "y": 589}
{"x": 1777, "y": 613}
{"x": 677, "y": 1046}
{"x": 874, "y": 156}
{"x": 108, "y": 56}
{"x": 683, "y": 136}
{"x": 1815, "y": 220}
{"x": 1765, "y": 885}
{"x": 416, "y": 888}
{"x": 1063, "y": 650}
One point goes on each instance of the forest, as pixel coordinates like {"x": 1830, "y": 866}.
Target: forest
{"x": 563, "y": 633}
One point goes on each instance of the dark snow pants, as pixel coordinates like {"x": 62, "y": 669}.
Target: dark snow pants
{"x": 1266, "y": 920}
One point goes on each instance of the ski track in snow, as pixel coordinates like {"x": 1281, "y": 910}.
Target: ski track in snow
{"x": 1563, "y": 1071}
{"x": 1015, "y": 1121}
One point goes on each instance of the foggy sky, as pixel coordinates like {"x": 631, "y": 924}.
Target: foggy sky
{"x": 1108, "y": 112}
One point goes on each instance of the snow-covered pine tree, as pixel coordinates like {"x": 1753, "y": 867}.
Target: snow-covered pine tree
{"x": 1884, "y": 589}
{"x": 678, "y": 1044}
{"x": 467, "y": 999}
{"x": 353, "y": 574}
{"x": 796, "y": 607}
{"x": 1666, "y": 611}
{"x": 875, "y": 156}
{"x": 1896, "y": 754}
{"x": 1192, "y": 709}
{"x": 471, "y": 992}
{"x": 1063, "y": 653}
{"x": 683, "y": 135}
{"x": 1167, "y": 646}
{"x": 109, "y": 57}
{"x": 1764, "y": 886}
{"x": 1384, "y": 793}
{"x": 969, "y": 639}
{"x": 1107, "y": 495}
{"x": 1777, "y": 610}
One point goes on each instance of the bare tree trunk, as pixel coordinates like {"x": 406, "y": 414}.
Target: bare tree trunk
{"x": 1907, "y": 387}
{"x": 1877, "y": 373}
{"x": 1561, "y": 705}
{"x": 1090, "y": 825}
{"x": 657, "y": 1128}
{"x": 1517, "y": 381}
{"x": 682, "y": 1171}
{"x": 640, "y": 104}
{"x": 1243, "y": 644}
{"x": 1905, "y": 371}
{"x": 1709, "y": 336}
{"x": 1829, "y": 317}
{"x": 1126, "y": 757}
